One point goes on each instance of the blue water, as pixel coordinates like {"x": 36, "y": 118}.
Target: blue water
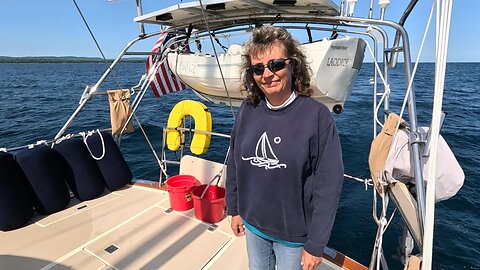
{"x": 37, "y": 99}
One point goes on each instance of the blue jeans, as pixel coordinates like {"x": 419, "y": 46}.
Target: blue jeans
{"x": 265, "y": 254}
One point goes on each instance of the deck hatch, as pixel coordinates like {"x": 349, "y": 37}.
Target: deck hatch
{"x": 156, "y": 240}
{"x": 75, "y": 208}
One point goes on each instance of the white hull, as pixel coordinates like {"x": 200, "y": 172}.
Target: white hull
{"x": 334, "y": 63}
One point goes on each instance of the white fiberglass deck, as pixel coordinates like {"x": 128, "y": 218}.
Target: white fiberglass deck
{"x": 132, "y": 228}
{"x": 125, "y": 229}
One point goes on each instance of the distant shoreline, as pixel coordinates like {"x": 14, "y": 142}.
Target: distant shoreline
{"x": 62, "y": 59}
{"x": 75, "y": 59}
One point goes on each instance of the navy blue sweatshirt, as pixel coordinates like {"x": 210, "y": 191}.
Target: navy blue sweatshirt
{"x": 285, "y": 171}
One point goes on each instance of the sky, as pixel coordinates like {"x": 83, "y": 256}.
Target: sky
{"x": 55, "y": 28}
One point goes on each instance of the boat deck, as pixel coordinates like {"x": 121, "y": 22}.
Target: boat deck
{"x": 132, "y": 228}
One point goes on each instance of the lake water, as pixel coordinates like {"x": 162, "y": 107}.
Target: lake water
{"x": 37, "y": 99}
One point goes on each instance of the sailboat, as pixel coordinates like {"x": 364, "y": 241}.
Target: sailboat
{"x": 264, "y": 155}
{"x": 120, "y": 222}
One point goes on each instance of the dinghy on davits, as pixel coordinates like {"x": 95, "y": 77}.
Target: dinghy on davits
{"x": 334, "y": 64}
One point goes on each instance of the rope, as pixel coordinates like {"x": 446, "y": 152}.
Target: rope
{"x": 63, "y": 138}
{"x": 417, "y": 61}
{"x": 410, "y": 83}
{"x": 160, "y": 163}
{"x": 390, "y": 219}
{"x": 96, "y": 43}
{"x": 85, "y": 136}
{"x": 382, "y": 222}
{"x": 366, "y": 181}
{"x": 387, "y": 86}
{"x": 444, "y": 13}
{"x": 30, "y": 146}
{"x": 216, "y": 58}
{"x": 219, "y": 43}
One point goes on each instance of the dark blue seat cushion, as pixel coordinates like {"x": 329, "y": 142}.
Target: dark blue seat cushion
{"x": 16, "y": 207}
{"x": 114, "y": 168}
{"x": 83, "y": 176}
{"x": 46, "y": 175}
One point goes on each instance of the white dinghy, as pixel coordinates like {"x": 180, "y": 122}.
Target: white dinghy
{"x": 335, "y": 64}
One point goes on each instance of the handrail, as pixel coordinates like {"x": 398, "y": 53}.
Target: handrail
{"x": 94, "y": 89}
{"x": 325, "y": 20}
{"x": 415, "y": 137}
{"x": 406, "y": 13}
{"x": 199, "y": 131}
{"x": 166, "y": 161}
{"x": 145, "y": 84}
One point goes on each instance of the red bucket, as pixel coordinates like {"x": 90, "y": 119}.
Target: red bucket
{"x": 211, "y": 208}
{"x": 179, "y": 189}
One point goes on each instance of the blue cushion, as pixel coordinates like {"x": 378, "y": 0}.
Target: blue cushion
{"x": 46, "y": 176}
{"x": 83, "y": 176}
{"x": 114, "y": 168}
{"x": 16, "y": 207}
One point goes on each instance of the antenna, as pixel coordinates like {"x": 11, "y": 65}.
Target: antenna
{"x": 140, "y": 13}
{"x": 351, "y": 7}
{"x": 383, "y": 6}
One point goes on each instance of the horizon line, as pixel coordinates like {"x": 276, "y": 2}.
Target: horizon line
{"x": 140, "y": 58}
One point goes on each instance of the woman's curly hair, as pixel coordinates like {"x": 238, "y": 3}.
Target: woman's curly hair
{"x": 263, "y": 38}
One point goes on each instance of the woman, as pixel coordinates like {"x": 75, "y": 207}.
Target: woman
{"x": 285, "y": 169}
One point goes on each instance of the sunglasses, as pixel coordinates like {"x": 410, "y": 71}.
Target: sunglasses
{"x": 274, "y": 65}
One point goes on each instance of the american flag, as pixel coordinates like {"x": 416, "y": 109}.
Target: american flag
{"x": 163, "y": 82}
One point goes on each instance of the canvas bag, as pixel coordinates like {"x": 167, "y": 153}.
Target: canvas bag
{"x": 120, "y": 110}
{"x": 380, "y": 148}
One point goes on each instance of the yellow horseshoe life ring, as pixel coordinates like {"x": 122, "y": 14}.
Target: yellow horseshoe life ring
{"x": 203, "y": 121}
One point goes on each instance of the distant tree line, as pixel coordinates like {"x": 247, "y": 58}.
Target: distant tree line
{"x": 61, "y": 59}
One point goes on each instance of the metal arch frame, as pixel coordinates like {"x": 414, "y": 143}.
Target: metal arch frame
{"x": 325, "y": 20}
{"x": 415, "y": 137}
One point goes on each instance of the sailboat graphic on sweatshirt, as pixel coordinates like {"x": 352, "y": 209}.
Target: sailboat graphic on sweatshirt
{"x": 264, "y": 155}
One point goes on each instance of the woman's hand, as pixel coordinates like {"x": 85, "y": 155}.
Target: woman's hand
{"x": 310, "y": 262}
{"x": 237, "y": 225}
